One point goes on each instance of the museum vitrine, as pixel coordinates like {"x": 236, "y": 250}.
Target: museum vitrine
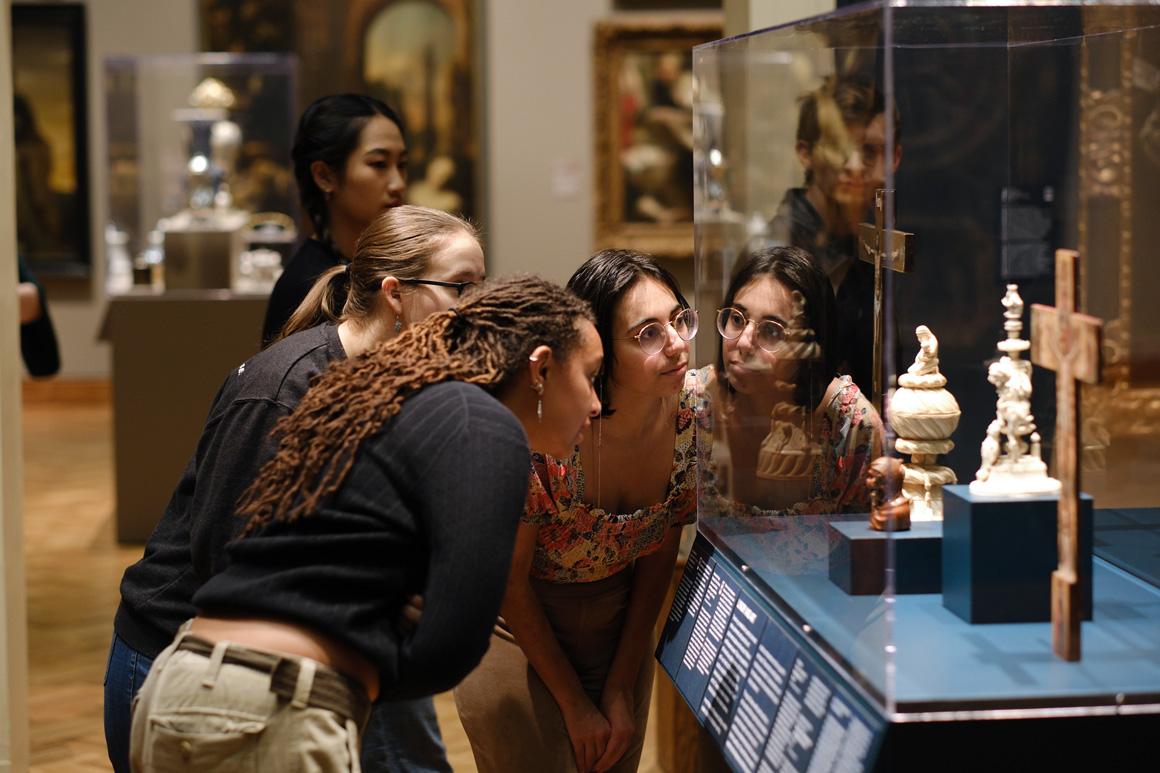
{"x": 925, "y": 231}
{"x": 201, "y": 193}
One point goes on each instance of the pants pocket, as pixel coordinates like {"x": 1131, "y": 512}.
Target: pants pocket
{"x": 197, "y": 741}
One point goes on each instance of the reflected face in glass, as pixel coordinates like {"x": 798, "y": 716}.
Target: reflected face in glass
{"x": 848, "y": 163}
{"x": 660, "y": 373}
{"x": 375, "y": 175}
{"x": 750, "y": 368}
{"x": 569, "y": 399}
{"x": 459, "y": 260}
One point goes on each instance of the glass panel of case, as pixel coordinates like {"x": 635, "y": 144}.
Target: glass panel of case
{"x": 197, "y": 145}
{"x": 996, "y": 135}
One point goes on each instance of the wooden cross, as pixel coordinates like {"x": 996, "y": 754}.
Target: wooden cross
{"x": 1068, "y": 343}
{"x": 885, "y": 248}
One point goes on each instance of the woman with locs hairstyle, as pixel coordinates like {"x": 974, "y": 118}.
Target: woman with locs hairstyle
{"x": 409, "y": 263}
{"x": 566, "y": 683}
{"x": 400, "y": 472}
{"x": 350, "y": 163}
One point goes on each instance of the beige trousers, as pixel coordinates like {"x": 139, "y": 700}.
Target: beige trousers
{"x": 512, "y": 720}
{"x": 195, "y": 714}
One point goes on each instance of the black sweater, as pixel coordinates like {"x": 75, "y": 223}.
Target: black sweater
{"x": 187, "y": 545}
{"x": 309, "y": 261}
{"x": 430, "y": 506}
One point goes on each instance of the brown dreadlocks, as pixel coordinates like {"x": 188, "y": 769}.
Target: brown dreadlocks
{"x": 485, "y": 341}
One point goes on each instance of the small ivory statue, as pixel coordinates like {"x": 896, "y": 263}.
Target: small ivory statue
{"x": 1009, "y": 464}
{"x": 884, "y": 476}
{"x": 924, "y": 415}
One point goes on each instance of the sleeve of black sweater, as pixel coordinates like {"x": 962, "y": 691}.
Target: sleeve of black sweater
{"x": 470, "y": 496}
{"x": 38, "y": 344}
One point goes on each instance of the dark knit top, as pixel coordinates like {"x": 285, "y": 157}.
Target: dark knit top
{"x": 430, "y": 506}
{"x": 188, "y": 544}
{"x": 307, "y": 263}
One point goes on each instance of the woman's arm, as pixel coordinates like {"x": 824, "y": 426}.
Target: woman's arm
{"x": 523, "y": 613}
{"x": 650, "y": 583}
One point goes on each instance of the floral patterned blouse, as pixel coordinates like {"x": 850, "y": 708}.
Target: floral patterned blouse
{"x": 850, "y": 435}
{"x": 578, "y": 542}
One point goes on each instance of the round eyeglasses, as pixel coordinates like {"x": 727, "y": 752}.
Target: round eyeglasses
{"x": 731, "y": 323}
{"x": 653, "y": 337}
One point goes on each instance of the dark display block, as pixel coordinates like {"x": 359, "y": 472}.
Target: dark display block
{"x": 858, "y": 558}
{"x": 998, "y": 554}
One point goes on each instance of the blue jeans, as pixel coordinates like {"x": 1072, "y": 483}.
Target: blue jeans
{"x": 404, "y": 735}
{"x": 401, "y": 735}
{"x": 124, "y": 675}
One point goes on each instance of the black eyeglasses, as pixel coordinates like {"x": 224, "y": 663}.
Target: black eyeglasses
{"x": 459, "y": 287}
{"x": 731, "y": 324}
{"x": 653, "y": 336}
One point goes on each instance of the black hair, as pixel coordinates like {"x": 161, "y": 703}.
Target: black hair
{"x": 795, "y": 269}
{"x": 328, "y": 131}
{"x": 602, "y": 281}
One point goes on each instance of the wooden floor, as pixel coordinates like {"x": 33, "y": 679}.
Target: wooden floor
{"x": 74, "y": 566}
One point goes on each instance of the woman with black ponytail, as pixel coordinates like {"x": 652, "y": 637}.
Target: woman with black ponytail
{"x": 350, "y": 162}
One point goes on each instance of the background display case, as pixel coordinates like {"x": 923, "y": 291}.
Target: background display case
{"x": 1005, "y": 131}
{"x": 199, "y": 166}
{"x": 201, "y": 211}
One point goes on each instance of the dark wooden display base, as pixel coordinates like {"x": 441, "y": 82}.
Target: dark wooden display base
{"x": 858, "y": 558}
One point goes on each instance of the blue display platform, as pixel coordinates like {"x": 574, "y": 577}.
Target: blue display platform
{"x": 757, "y": 628}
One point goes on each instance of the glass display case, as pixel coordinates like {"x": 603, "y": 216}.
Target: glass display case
{"x": 200, "y": 187}
{"x": 880, "y": 197}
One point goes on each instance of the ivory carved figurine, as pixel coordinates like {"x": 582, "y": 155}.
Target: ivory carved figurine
{"x": 924, "y": 415}
{"x": 1011, "y": 463}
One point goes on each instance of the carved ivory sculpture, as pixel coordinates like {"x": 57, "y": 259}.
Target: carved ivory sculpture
{"x": 884, "y": 477}
{"x": 1009, "y": 465}
{"x": 788, "y": 452}
{"x": 924, "y": 414}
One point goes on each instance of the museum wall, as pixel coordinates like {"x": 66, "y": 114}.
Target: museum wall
{"x": 538, "y": 144}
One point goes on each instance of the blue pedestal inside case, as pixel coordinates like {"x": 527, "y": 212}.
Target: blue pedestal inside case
{"x": 858, "y": 558}
{"x": 998, "y": 554}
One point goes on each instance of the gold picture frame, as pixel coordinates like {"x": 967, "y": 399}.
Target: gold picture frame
{"x": 644, "y": 127}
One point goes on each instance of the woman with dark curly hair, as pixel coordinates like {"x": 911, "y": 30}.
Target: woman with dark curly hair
{"x": 400, "y": 472}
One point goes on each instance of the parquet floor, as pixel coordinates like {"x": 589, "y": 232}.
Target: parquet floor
{"x": 73, "y": 568}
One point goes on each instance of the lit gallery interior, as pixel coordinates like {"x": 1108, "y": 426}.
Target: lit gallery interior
{"x": 596, "y": 385}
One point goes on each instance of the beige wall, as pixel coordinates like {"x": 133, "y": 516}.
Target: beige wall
{"x": 539, "y": 142}
{"x": 748, "y": 15}
{"x": 13, "y": 633}
{"x": 115, "y": 27}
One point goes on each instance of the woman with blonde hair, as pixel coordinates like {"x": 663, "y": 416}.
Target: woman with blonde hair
{"x": 400, "y": 472}
{"x": 410, "y": 263}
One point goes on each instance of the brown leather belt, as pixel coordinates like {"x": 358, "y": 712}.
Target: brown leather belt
{"x": 331, "y": 690}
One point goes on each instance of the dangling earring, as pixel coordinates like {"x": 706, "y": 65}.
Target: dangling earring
{"x": 398, "y": 324}
{"x": 539, "y": 402}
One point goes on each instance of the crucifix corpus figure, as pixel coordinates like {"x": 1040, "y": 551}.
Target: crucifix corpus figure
{"x": 1068, "y": 343}
{"x": 885, "y": 248}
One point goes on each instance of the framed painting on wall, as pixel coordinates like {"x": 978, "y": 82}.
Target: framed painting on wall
{"x": 421, "y": 57}
{"x": 644, "y": 132}
{"x": 49, "y": 120}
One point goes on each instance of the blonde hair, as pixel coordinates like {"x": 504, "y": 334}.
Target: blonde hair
{"x": 399, "y": 243}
